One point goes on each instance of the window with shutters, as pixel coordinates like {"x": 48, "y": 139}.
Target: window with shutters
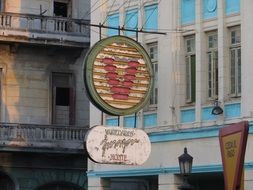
{"x": 235, "y": 61}
{"x": 63, "y": 99}
{"x": 153, "y": 53}
{"x": 190, "y": 62}
{"x": 212, "y": 59}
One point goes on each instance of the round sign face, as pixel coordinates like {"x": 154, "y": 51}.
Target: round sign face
{"x": 115, "y": 145}
{"x": 118, "y": 75}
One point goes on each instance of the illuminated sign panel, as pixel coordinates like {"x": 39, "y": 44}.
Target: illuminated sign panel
{"x": 233, "y": 140}
{"x": 118, "y": 75}
{"x": 116, "y": 145}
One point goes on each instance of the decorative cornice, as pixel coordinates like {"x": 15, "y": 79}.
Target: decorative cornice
{"x": 158, "y": 171}
{"x": 186, "y": 134}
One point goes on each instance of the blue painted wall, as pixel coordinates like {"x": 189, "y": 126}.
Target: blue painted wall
{"x": 232, "y": 6}
{"x": 129, "y": 121}
{"x": 232, "y": 110}
{"x": 187, "y": 11}
{"x": 162, "y": 170}
{"x": 150, "y": 120}
{"x": 113, "y": 21}
{"x": 112, "y": 122}
{"x": 151, "y": 17}
{"x": 188, "y": 116}
{"x": 131, "y": 21}
{"x": 209, "y": 9}
{"x": 207, "y": 114}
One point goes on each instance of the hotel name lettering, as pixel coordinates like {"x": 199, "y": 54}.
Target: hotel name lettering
{"x": 230, "y": 147}
{"x": 120, "y": 140}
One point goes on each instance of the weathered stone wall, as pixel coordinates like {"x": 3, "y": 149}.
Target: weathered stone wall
{"x": 80, "y": 8}
{"x": 26, "y": 83}
{"x": 30, "y": 171}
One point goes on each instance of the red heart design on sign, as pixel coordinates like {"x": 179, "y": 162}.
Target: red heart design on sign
{"x": 120, "y": 80}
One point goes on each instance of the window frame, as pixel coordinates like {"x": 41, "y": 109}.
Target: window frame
{"x": 212, "y": 67}
{"x": 154, "y": 95}
{"x": 68, "y": 4}
{"x": 190, "y": 69}
{"x": 236, "y": 48}
{"x": 72, "y": 94}
{"x": 152, "y": 107}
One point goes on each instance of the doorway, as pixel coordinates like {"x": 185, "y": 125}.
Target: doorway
{"x": 6, "y": 183}
{"x": 62, "y": 8}
{"x": 207, "y": 181}
{"x": 63, "y": 99}
{"x": 134, "y": 183}
{"x": 60, "y": 186}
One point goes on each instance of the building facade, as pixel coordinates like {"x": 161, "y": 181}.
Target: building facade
{"x": 44, "y": 110}
{"x": 203, "y": 60}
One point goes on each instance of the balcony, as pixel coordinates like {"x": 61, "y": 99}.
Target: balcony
{"x": 45, "y": 30}
{"x": 42, "y": 138}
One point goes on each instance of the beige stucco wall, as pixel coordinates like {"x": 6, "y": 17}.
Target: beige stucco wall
{"x": 172, "y": 83}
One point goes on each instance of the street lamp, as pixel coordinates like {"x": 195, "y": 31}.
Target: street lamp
{"x": 185, "y": 164}
{"x": 217, "y": 110}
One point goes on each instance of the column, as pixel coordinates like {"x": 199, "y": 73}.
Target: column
{"x": 200, "y": 63}
{"x": 167, "y": 63}
{"x": 222, "y": 58}
{"x": 98, "y": 184}
{"x": 169, "y": 182}
{"x": 248, "y": 179}
{"x": 247, "y": 58}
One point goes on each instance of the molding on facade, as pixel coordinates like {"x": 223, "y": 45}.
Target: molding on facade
{"x": 158, "y": 171}
{"x": 186, "y": 134}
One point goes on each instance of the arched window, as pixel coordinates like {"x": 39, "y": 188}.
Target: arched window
{"x": 60, "y": 186}
{"x": 6, "y": 183}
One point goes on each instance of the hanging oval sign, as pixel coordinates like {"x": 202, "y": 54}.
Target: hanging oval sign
{"x": 118, "y": 75}
{"x": 115, "y": 145}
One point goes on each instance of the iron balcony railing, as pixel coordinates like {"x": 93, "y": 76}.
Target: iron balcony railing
{"x": 41, "y": 137}
{"x": 43, "y": 29}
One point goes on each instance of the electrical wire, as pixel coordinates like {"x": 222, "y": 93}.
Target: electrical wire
{"x": 128, "y": 1}
{"x": 129, "y": 20}
{"x": 106, "y": 18}
{"x": 122, "y": 28}
{"x": 150, "y": 15}
{"x": 124, "y": 2}
{"x": 104, "y": 35}
{"x": 126, "y": 9}
{"x": 85, "y": 14}
{"x": 97, "y": 7}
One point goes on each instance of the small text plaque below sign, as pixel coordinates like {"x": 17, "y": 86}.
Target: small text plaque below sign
{"x": 233, "y": 140}
{"x": 116, "y": 145}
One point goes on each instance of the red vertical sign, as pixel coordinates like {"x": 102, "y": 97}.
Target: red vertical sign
{"x": 233, "y": 140}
